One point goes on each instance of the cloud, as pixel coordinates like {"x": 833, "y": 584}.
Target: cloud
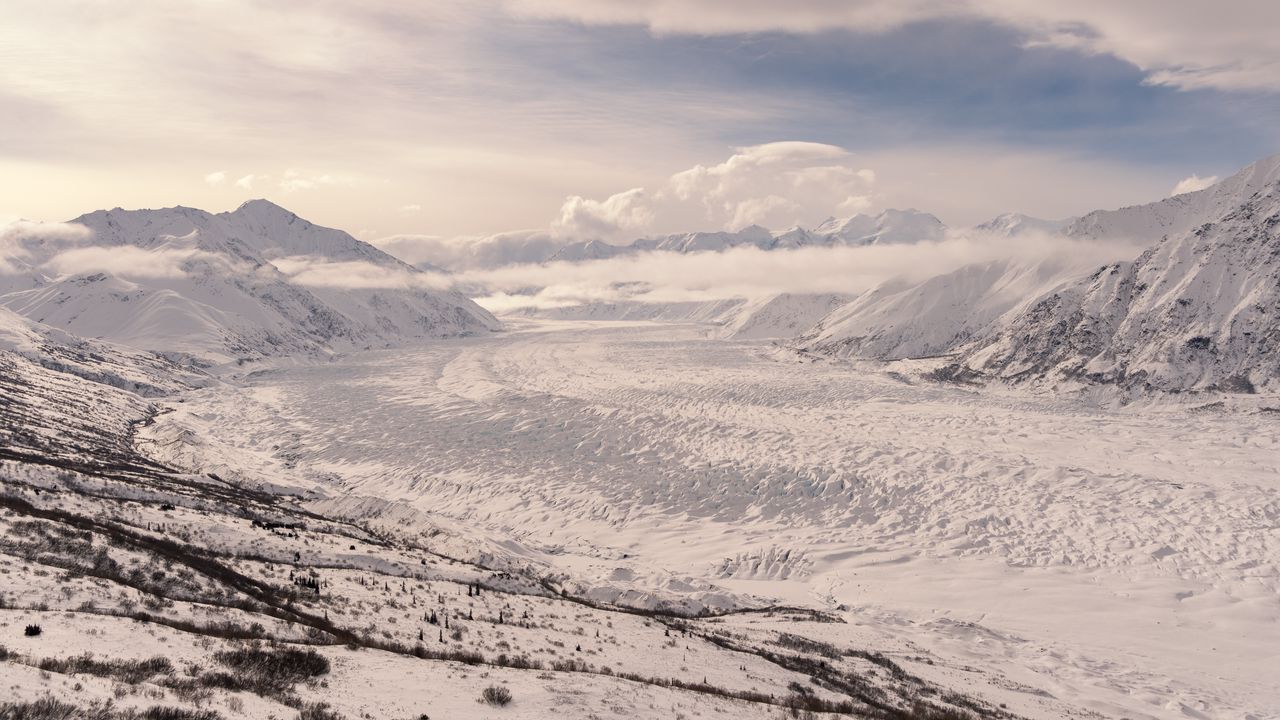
{"x": 621, "y": 213}
{"x": 126, "y": 261}
{"x": 783, "y": 184}
{"x": 744, "y": 272}
{"x": 63, "y": 249}
{"x": 469, "y": 252}
{"x": 1187, "y": 45}
{"x": 320, "y": 272}
{"x": 19, "y": 236}
{"x": 1192, "y": 184}
{"x": 748, "y": 272}
{"x": 778, "y": 184}
{"x": 215, "y": 178}
{"x": 246, "y": 182}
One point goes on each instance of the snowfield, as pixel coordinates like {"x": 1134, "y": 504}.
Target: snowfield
{"x": 259, "y": 480}
{"x": 1092, "y": 556}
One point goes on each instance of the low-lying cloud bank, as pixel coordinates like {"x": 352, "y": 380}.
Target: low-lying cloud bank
{"x": 15, "y": 237}
{"x": 751, "y": 273}
{"x": 745, "y": 272}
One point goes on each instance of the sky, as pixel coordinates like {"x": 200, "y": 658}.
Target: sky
{"x": 618, "y": 118}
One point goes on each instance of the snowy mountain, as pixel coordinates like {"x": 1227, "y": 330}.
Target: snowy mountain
{"x": 1199, "y": 310}
{"x": 750, "y": 236}
{"x": 781, "y": 316}
{"x": 1180, "y": 213}
{"x": 590, "y": 250}
{"x": 900, "y": 319}
{"x": 187, "y": 282}
{"x": 1017, "y": 224}
{"x": 888, "y": 228}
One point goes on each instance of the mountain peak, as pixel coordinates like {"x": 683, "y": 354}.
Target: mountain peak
{"x": 260, "y": 207}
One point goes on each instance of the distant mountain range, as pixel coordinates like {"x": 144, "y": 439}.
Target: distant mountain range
{"x": 888, "y": 227}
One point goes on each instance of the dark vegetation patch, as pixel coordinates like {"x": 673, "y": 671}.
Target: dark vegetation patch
{"x": 129, "y": 671}
{"x": 273, "y": 671}
{"x": 50, "y": 709}
{"x": 496, "y": 695}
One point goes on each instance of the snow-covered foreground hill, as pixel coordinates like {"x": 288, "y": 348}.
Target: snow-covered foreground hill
{"x": 1066, "y": 557}
{"x": 145, "y": 581}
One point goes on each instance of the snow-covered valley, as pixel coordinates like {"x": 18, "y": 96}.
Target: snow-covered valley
{"x": 1032, "y": 471}
{"x": 1119, "y": 559}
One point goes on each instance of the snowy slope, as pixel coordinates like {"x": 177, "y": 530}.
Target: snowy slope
{"x": 715, "y": 312}
{"x": 1199, "y": 310}
{"x": 1180, "y": 213}
{"x": 1017, "y": 224}
{"x": 590, "y": 250}
{"x": 887, "y": 228}
{"x": 119, "y": 366}
{"x": 900, "y": 319}
{"x": 211, "y": 289}
{"x": 780, "y": 316}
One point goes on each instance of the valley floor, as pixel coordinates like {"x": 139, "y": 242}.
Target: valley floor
{"x": 1123, "y": 560}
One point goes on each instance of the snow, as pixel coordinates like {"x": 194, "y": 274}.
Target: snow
{"x": 1197, "y": 311}
{"x": 211, "y": 291}
{"x": 888, "y": 227}
{"x": 1041, "y": 543}
{"x": 1118, "y": 558}
{"x": 1017, "y": 224}
{"x": 936, "y": 316}
{"x": 780, "y": 316}
{"x": 1181, "y": 213}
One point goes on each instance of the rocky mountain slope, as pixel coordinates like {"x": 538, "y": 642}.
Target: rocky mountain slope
{"x": 1198, "y": 310}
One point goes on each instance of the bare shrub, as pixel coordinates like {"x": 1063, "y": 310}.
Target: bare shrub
{"x": 496, "y": 695}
